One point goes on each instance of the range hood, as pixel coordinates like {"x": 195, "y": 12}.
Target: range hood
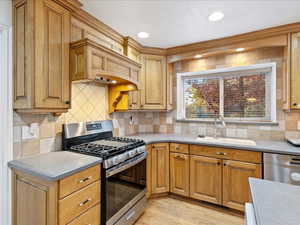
{"x": 91, "y": 62}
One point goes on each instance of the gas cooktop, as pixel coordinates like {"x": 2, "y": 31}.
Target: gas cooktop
{"x": 107, "y": 147}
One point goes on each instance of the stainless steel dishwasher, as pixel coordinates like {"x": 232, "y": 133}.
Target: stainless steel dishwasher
{"x": 282, "y": 168}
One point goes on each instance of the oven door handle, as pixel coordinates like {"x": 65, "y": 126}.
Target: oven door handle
{"x": 112, "y": 171}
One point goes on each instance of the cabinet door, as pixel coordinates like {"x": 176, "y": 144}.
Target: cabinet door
{"x": 206, "y": 179}
{"x": 235, "y": 182}
{"x": 149, "y": 171}
{"x": 153, "y": 82}
{"x": 160, "y": 168}
{"x": 295, "y": 71}
{"x": 52, "y": 83}
{"x": 134, "y": 100}
{"x": 180, "y": 174}
{"x": 23, "y": 54}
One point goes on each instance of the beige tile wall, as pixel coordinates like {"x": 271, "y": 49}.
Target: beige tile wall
{"x": 89, "y": 102}
{"x": 166, "y": 122}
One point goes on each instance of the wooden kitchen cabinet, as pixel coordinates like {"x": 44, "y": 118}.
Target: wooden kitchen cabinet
{"x": 160, "y": 168}
{"x": 179, "y": 174}
{"x": 236, "y": 190}
{"x": 41, "y": 56}
{"x": 295, "y": 71}
{"x": 153, "y": 82}
{"x": 41, "y": 202}
{"x": 206, "y": 179}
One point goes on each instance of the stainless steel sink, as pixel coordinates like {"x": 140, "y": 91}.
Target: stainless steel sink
{"x": 220, "y": 140}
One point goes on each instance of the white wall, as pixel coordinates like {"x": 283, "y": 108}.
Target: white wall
{"x": 5, "y": 12}
{"x": 6, "y": 110}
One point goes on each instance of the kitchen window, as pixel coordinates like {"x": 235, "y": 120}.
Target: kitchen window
{"x": 239, "y": 94}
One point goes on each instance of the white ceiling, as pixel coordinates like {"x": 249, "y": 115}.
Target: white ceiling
{"x": 177, "y": 22}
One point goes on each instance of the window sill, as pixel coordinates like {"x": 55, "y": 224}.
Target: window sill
{"x": 231, "y": 122}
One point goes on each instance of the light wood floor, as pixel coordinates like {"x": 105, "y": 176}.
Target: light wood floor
{"x": 171, "y": 211}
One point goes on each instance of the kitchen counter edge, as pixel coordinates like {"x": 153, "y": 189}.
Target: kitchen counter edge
{"x": 275, "y": 147}
{"x": 54, "y": 166}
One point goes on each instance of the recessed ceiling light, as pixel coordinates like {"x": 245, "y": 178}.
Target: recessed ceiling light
{"x": 143, "y": 35}
{"x": 198, "y": 56}
{"x": 240, "y": 49}
{"x": 216, "y": 16}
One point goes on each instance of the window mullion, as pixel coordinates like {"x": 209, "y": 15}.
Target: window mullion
{"x": 221, "y": 89}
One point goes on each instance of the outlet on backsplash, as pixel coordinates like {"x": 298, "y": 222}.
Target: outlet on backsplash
{"x": 30, "y": 132}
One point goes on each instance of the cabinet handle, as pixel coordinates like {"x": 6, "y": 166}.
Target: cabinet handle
{"x": 177, "y": 148}
{"x": 85, "y": 202}
{"x": 67, "y": 102}
{"x": 295, "y": 104}
{"x": 85, "y": 179}
{"x": 218, "y": 163}
{"x": 225, "y": 164}
{"x": 221, "y": 153}
{"x": 180, "y": 157}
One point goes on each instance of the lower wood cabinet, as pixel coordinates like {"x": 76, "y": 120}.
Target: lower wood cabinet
{"x": 73, "y": 200}
{"x": 236, "y": 190}
{"x": 206, "y": 179}
{"x": 160, "y": 168}
{"x": 179, "y": 174}
{"x": 211, "y": 174}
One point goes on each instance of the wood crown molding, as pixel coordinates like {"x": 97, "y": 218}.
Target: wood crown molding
{"x": 128, "y": 41}
{"x": 183, "y": 49}
{"x": 250, "y": 36}
{"x": 72, "y": 5}
{"x": 90, "y": 20}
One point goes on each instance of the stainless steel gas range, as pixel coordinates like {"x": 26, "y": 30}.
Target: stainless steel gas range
{"x": 123, "y": 171}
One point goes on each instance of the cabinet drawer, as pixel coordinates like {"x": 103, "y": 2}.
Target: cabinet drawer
{"x": 179, "y": 148}
{"x": 79, "y": 180}
{"x": 225, "y": 153}
{"x": 91, "y": 217}
{"x": 75, "y": 204}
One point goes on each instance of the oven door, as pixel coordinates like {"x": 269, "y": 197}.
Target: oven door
{"x": 126, "y": 190}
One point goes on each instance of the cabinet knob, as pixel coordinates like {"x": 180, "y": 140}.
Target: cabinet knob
{"x": 67, "y": 102}
{"x": 218, "y": 163}
{"x": 295, "y": 104}
{"x": 225, "y": 164}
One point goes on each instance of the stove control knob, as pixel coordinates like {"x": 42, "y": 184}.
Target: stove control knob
{"x": 132, "y": 153}
{"x": 141, "y": 149}
{"x": 115, "y": 161}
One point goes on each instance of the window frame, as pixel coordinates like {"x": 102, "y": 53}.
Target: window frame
{"x": 222, "y": 73}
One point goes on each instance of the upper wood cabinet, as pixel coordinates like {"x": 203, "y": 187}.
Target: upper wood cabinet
{"x": 206, "y": 179}
{"x": 160, "y": 168}
{"x": 41, "y": 56}
{"x": 153, "y": 82}
{"x": 295, "y": 71}
{"x": 179, "y": 174}
{"x": 236, "y": 190}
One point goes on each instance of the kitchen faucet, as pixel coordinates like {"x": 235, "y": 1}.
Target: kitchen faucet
{"x": 219, "y": 118}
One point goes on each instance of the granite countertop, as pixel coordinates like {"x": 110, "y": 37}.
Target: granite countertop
{"x": 279, "y": 147}
{"x": 275, "y": 203}
{"x": 54, "y": 166}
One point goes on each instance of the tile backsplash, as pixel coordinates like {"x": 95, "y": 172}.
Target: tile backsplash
{"x": 165, "y": 122}
{"x": 89, "y": 102}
